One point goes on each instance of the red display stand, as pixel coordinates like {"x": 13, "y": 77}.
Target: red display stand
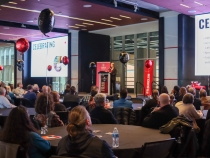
{"x": 101, "y": 67}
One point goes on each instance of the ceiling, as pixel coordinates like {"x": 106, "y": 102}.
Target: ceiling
{"x": 188, "y": 7}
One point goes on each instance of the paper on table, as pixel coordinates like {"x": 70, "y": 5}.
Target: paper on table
{"x": 110, "y": 133}
{"x": 96, "y": 131}
{"x": 99, "y": 136}
{"x": 51, "y": 137}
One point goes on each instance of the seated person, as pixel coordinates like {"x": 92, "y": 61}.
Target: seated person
{"x": 67, "y": 90}
{"x": 89, "y": 97}
{"x": 122, "y": 102}
{"x": 45, "y": 90}
{"x": 204, "y": 101}
{"x": 57, "y": 104}
{"x": 71, "y": 97}
{"x": 4, "y": 102}
{"x": 187, "y": 109}
{"x": 19, "y": 90}
{"x": 80, "y": 142}
{"x": 36, "y": 89}
{"x": 182, "y": 92}
{"x": 30, "y": 95}
{"x": 18, "y": 129}
{"x": 12, "y": 96}
{"x": 197, "y": 101}
{"x": 161, "y": 115}
{"x": 175, "y": 92}
{"x": 44, "y": 108}
{"x": 99, "y": 112}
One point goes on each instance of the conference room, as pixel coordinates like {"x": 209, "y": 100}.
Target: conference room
{"x": 117, "y": 64}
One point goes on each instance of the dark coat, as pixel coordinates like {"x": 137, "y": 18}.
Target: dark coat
{"x": 197, "y": 103}
{"x": 113, "y": 74}
{"x": 71, "y": 98}
{"x": 59, "y": 107}
{"x": 160, "y": 117}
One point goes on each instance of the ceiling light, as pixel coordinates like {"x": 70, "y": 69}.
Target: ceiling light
{"x": 198, "y": 3}
{"x": 107, "y": 20}
{"x": 74, "y": 26}
{"x": 144, "y": 19}
{"x": 30, "y": 21}
{"x": 80, "y": 25}
{"x": 192, "y": 11}
{"x": 185, "y": 5}
{"x": 115, "y": 18}
{"x": 6, "y": 28}
{"x": 87, "y": 6}
{"x": 87, "y": 23}
{"x": 125, "y": 16}
{"x": 12, "y": 2}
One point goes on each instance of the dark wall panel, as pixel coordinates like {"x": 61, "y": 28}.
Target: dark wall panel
{"x": 92, "y": 48}
{"x": 161, "y": 52}
{"x": 186, "y": 52}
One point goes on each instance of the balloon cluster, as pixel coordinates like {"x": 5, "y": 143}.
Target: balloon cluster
{"x": 22, "y": 45}
{"x": 148, "y": 63}
{"x": 20, "y": 65}
{"x": 92, "y": 65}
{"x": 124, "y": 57}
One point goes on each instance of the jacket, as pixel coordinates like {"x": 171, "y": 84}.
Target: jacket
{"x": 206, "y": 140}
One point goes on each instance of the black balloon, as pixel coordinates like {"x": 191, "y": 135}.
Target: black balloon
{"x": 124, "y": 57}
{"x": 46, "y": 21}
{"x": 92, "y": 65}
{"x": 20, "y": 65}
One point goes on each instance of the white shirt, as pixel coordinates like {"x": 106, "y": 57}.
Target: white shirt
{"x": 4, "y": 103}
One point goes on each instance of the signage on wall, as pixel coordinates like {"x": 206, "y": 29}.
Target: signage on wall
{"x": 148, "y": 79}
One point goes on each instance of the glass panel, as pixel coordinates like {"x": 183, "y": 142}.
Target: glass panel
{"x": 59, "y": 83}
{"x": 141, "y": 45}
{"x": 140, "y": 76}
{"x": 153, "y": 45}
{"x": 117, "y": 47}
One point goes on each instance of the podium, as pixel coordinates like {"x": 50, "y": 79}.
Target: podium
{"x": 104, "y": 82}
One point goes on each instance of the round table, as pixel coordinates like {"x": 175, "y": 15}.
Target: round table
{"x": 131, "y": 137}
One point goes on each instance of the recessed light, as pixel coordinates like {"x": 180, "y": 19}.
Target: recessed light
{"x": 115, "y": 18}
{"x": 12, "y": 2}
{"x": 80, "y": 25}
{"x": 144, "y": 19}
{"x": 30, "y": 21}
{"x": 107, "y": 20}
{"x": 6, "y": 28}
{"x": 192, "y": 11}
{"x": 198, "y": 3}
{"x": 87, "y": 6}
{"x": 74, "y": 26}
{"x": 87, "y": 23}
{"x": 185, "y": 5}
{"x": 125, "y": 16}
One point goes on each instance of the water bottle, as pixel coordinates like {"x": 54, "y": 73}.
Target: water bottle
{"x": 115, "y": 138}
{"x": 144, "y": 102}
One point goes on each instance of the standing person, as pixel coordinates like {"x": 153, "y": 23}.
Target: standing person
{"x": 113, "y": 72}
{"x": 18, "y": 129}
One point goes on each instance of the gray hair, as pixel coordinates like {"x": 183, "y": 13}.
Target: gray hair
{"x": 35, "y": 87}
{"x": 2, "y": 90}
{"x": 100, "y": 98}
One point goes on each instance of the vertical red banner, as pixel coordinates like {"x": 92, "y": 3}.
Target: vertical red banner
{"x": 101, "y": 67}
{"x": 148, "y": 77}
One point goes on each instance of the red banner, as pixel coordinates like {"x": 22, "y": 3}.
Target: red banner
{"x": 101, "y": 66}
{"x": 148, "y": 78}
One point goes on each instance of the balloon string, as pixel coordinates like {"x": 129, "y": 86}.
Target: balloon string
{"x": 46, "y": 81}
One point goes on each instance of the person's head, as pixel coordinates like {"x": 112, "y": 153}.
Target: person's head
{"x": 11, "y": 86}
{"x": 171, "y": 96}
{"x": 8, "y": 88}
{"x": 155, "y": 94}
{"x": 112, "y": 65}
{"x": 2, "y": 91}
{"x": 46, "y": 89}
{"x": 44, "y": 104}
{"x": 191, "y": 90}
{"x": 182, "y": 91}
{"x": 20, "y": 85}
{"x": 17, "y": 127}
{"x": 68, "y": 87}
{"x": 55, "y": 96}
{"x": 164, "y": 99}
{"x": 188, "y": 98}
{"x": 79, "y": 121}
{"x": 30, "y": 88}
{"x": 123, "y": 93}
{"x": 93, "y": 90}
{"x": 35, "y": 87}
{"x": 100, "y": 99}
{"x": 72, "y": 90}
{"x": 176, "y": 89}
{"x": 203, "y": 93}
{"x": 164, "y": 89}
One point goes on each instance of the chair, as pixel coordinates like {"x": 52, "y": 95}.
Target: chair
{"x": 159, "y": 149}
{"x": 70, "y": 105}
{"x": 125, "y": 116}
{"x": 23, "y": 101}
{"x": 95, "y": 121}
{"x": 63, "y": 116}
{"x": 206, "y": 140}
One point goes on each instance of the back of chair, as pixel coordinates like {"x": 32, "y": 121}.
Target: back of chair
{"x": 23, "y": 101}
{"x": 63, "y": 116}
{"x": 70, "y": 105}
{"x": 54, "y": 156}
{"x": 35, "y": 122}
{"x": 159, "y": 149}
{"x": 95, "y": 121}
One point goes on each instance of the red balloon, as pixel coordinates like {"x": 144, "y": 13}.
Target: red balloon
{"x": 65, "y": 60}
{"x": 22, "y": 45}
{"x": 148, "y": 63}
{"x": 1, "y": 68}
{"x": 49, "y": 67}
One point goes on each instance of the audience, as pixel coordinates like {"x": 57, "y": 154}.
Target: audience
{"x": 161, "y": 115}
{"x": 36, "y": 89}
{"x": 204, "y": 101}
{"x": 7, "y": 95}
{"x": 4, "y": 102}
{"x": 89, "y": 97}
{"x": 30, "y": 95}
{"x": 122, "y": 102}
{"x": 71, "y": 97}
{"x": 187, "y": 109}
{"x": 44, "y": 108}
{"x": 172, "y": 100}
{"x": 100, "y": 113}
{"x": 18, "y": 129}
{"x": 175, "y": 92}
{"x": 182, "y": 92}
{"x": 12, "y": 96}
{"x": 19, "y": 90}
{"x": 68, "y": 89}
{"x": 196, "y": 102}
{"x": 164, "y": 89}
{"x": 80, "y": 142}
{"x": 58, "y": 106}
{"x": 45, "y": 90}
